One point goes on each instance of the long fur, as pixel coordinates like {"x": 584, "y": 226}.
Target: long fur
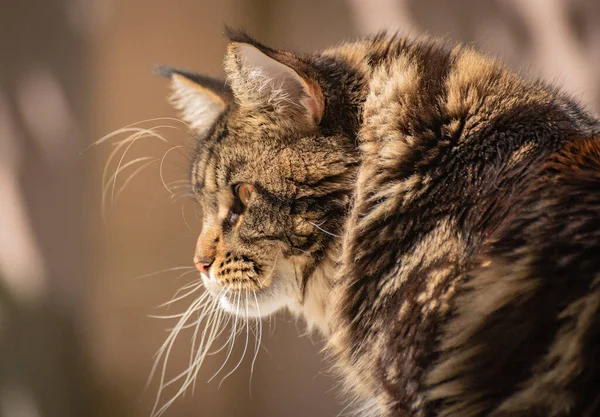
{"x": 439, "y": 221}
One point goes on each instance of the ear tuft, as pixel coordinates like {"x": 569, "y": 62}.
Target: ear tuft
{"x": 239, "y": 36}
{"x": 263, "y": 77}
{"x": 161, "y": 70}
{"x": 199, "y": 99}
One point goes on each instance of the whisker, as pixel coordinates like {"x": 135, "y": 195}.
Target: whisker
{"x": 165, "y": 350}
{"x": 113, "y": 177}
{"x": 176, "y": 268}
{"x": 323, "y": 230}
{"x": 132, "y": 175}
{"x": 231, "y": 338}
{"x": 177, "y": 197}
{"x": 216, "y": 331}
{"x": 183, "y": 216}
{"x": 274, "y": 325}
{"x": 224, "y": 345}
{"x": 195, "y": 335}
{"x": 167, "y": 344}
{"x": 211, "y": 311}
{"x": 138, "y": 133}
{"x": 179, "y": 187}
{"x": 124, "y": 128}
{"x": 257, "y": 344}
{"x": 195, "y": 288}
{"x": 186, "y": 286}
{"x": 179, "y": 184}
{"x": 171, "y": 199}
{"x": 162, "y": 161}
{"x": 145, "y": 133}
{"x": 191, "y": 372}
{"x": 203, "y": 297}
{"x": 301, "y": 250}
{"x": 186, "y": 372}
{"x": 245, "y": 345}
{"x": 262, "y": 283}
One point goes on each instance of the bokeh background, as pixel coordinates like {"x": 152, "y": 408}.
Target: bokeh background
{"x": 78, "y": 282}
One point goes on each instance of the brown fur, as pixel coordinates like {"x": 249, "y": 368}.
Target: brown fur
{"x": 424, "y": 207}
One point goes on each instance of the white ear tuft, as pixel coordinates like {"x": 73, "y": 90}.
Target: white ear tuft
{"x": 199, "y": 105}
{"x": 258, "y": 79}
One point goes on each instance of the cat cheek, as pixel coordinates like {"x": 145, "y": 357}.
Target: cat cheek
{"x": 301, "y": 226}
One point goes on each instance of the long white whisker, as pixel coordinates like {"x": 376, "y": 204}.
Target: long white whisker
{"x": 162, "y": 161}
{"x": 125, "y": 129}
{"x": 145, "y": 132}
{"x": 245, "y": 345}
{"x": 195, "y": 288}
{"x": 181, "y": 186}
{"x": 177, "y": 268}
{"x": 185, "y": 385}
{"x": 204, "y": 297}
{"x": 258, "y": 340}
{"x": 183, "y": 215}
{"x": 132, "y": 176}
{"x": 167, "y": 317}
{"x": 176, "y": 197}
{"x": 211, "y": 311}
{"x": 194, "y": 283}
{"x": 231, "y": 338}
{"x": 272, "y": 325}
{"x": 164, "y": 352}
{"x": 323, "y": 230}
{"x": 178, "y": 182}
{"x": 129, "y": 141}
{"x": 262, "y": 283}
{"x": 195, "y": 335}
{"x": 224, "y": 345}
{"x": 197, "y": 303}
{"x": 302, "y": 250}
{"x": 113, "y": 177}
{"x": 168, "y": 343}
{"x": 186, "y": 187}
{"x": 216, "y": 330}
{"x": 191, "y": 373}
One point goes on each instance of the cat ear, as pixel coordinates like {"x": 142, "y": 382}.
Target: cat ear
{"x": 279, "y": 81}
{"x": 199, "y": 99}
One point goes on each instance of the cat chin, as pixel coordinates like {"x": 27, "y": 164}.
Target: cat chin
{"x": 265, "y": 307}
{"x": 260, "y": 303}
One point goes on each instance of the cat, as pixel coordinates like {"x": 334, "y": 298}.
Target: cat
{"x": 434, "y": 215}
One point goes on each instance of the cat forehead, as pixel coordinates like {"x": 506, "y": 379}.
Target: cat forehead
{"x": 248, "y": 146}
{"x": 239, "y": 158}
{"x": 246, "y": 135}
{"x": 260, "y": 125}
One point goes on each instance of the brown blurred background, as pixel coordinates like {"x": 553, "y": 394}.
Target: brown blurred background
{"x": 75, "y": 336}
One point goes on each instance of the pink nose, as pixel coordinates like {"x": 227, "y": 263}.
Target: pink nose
{"x": 203, "y": 264}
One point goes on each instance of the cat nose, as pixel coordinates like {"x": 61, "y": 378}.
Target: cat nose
{"x": 203, "y": 264}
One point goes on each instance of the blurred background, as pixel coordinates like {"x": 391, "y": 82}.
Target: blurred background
{"x": 80, "y": 276}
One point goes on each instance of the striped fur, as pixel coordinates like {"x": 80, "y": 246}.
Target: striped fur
{"x": 443, "y": 214}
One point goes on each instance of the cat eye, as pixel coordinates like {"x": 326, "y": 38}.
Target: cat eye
{"x": 244, "y": 192}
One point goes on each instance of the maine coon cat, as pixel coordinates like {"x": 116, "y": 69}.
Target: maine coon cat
{"x": 434, "y": 215}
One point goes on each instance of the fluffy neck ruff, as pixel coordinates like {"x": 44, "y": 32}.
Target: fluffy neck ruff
{"x": 313, "y": 306}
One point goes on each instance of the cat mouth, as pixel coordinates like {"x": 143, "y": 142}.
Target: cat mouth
{"x": 243, "y": 300}
{"x": 217, "y": 286}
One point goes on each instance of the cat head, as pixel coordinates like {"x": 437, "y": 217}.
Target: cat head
{"x": 273, "y": 172}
